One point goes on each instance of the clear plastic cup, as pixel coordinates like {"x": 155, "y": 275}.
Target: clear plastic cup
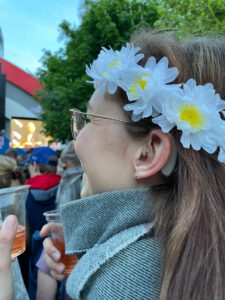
{"x": 12, "y": 202}
{"x": 69, "y": 260}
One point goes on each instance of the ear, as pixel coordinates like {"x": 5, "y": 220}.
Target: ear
{"x": 155, "y": 155}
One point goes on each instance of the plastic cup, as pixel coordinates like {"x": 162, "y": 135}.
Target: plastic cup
{"x": 12, "y": 202}
{"x": 69, "y": 260}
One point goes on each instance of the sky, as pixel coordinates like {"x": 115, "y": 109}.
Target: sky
{"x": 29, "y": 26}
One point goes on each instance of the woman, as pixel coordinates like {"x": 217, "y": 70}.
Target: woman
{"x": 188, "y": 217}
{"x": 153, "y": 153}
{"x": 69, "y": 189}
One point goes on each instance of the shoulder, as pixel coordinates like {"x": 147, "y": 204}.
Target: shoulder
{"x": 133, "y": 273}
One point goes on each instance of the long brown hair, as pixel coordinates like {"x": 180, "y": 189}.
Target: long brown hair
{"x": 191, "y": 220}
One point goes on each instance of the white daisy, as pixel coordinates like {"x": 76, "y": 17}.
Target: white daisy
{"x": 107, "y": 68}
{"x": 147, "y": 86}
{"x": 194, "y": 110}
{"x": 221, "y": 155}
{"x": 196, "y": 113}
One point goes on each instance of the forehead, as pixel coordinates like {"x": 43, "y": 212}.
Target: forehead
{"x": 105, "y": 104}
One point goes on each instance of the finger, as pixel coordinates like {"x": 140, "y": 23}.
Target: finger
{"x": 55, "y": 267}
{"x": 51, "y": 250}
{"x": 7, "y": 236}
{"x": 50, "y": 228}
{"x": 45, "y": 230}
{"x": 57, "y": 276}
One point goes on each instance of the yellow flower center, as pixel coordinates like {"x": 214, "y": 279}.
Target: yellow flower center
{"x": 191, "y": 114}
{"x": 114, "y": 63}
{"x": 106, "y": 74}
{"x": 142, "y": 83}
{"x": 139, "y": 81}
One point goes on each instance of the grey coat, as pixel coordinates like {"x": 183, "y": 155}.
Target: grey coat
{"x": 120, "y": 260}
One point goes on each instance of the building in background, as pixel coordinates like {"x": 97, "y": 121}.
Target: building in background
{"x": 20, "y": 125}
{"x": 20, "y": 111}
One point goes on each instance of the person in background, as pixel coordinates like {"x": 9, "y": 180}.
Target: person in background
{"x": 69, "y": 189}
{"x": 9, "y": 177}
{"x": 44, "y": 183}
{"x": 12, "y": 153}
{"x": 70, "y": 184}
{"x": 9, "y": 172}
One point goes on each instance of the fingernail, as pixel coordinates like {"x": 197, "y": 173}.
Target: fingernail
{"x": 10, "y": 222}
{"x": 55, "y": 255}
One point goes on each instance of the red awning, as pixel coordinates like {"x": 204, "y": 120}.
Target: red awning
{"x": 20, "y": 78}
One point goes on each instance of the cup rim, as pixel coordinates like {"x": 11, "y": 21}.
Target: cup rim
{"x": 13, "y": 189}
{"x": 51, "y": 213}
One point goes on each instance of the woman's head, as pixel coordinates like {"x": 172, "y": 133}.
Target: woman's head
{"x": 105, "y": 148}
{"x": 119, "y": 157}
{"x": 9, "y": 175}
{"x": 112, "y": 105}
{"x": 189, "y": 204}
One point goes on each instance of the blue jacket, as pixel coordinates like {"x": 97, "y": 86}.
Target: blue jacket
{"x": 41, "y": 198}
{"x": 120, "y": 259}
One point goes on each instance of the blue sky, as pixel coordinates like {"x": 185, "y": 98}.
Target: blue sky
{"x": 29, "y": 26}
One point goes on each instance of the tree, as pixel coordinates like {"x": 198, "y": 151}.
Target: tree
{"x": 104, "y": 23}
{"x": 111, "y": 23}
{"x": 192, "y": 16}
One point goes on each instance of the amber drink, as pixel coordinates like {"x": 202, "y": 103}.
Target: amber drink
{"x": 69, "y": 260}
{"x": 12, "y": 202}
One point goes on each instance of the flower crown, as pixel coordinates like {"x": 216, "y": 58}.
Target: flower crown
{"x": 194, "y": 109}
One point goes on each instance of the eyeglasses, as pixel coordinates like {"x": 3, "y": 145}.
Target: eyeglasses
{"x": 79, "y": 120}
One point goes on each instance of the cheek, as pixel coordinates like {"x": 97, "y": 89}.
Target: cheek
{"x": 87, "y": 145}
{"x": 114, "y": 142}
{"x": 81, "y": 145}
{"x": 105, "y": 142}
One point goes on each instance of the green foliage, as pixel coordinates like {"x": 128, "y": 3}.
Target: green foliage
{"x": 192, "y": 16}
{"x": 111, "y": 23}
{"x": 104, "y": 23}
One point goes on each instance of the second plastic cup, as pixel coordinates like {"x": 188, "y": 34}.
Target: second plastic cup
{"x": 12, "y": 202}
{"x": 69, "y": 260}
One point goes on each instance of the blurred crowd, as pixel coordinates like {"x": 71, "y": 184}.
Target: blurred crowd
{"x": 54, "y": 178}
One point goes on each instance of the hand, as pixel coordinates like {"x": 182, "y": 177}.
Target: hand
{"x": 7, "y": 236}
{"x": 52, "y": 254}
